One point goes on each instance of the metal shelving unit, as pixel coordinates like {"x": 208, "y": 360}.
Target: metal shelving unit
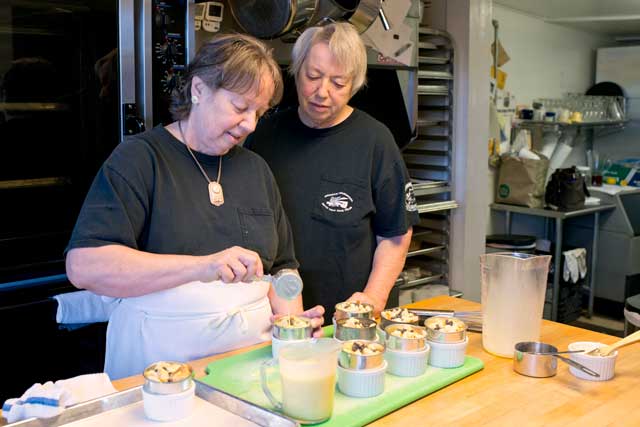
{"x": 428, "y": 159}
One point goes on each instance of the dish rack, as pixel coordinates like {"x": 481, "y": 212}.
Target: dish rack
{"x": 429, "y": 161}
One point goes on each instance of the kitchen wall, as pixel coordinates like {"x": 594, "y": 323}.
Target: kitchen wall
{"x": 469, "y": 24}
{"x": 547, "y": 61}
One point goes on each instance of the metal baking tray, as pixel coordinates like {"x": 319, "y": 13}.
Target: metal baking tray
{"x": 248, "y": 411}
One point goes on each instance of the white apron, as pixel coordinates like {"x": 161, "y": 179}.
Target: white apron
{"x": 184, "y": 323}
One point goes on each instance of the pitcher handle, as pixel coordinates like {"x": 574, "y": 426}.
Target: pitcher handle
{"x": 265, "y": 386}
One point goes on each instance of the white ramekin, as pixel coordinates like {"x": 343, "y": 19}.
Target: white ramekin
{"x": 447, "y": 355}
{"x": 169, "y": 407}
{"x": 604, "y": 365}
{"x": 407, "y": 363}
{"x": 278, "y": 344}
{"x": 361, "y": 382}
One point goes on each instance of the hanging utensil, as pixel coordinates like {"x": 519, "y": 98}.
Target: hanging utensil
{"x": 365, "y": 14}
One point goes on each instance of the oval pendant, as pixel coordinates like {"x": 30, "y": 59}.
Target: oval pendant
{"x": 216, "y": 196}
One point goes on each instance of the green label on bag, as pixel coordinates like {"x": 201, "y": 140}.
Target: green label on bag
{"x": 504, "y": 191}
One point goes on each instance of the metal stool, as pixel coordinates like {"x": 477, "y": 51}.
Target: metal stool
{"x": 631, "y": 314}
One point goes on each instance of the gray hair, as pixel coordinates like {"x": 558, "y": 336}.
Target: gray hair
{"x": 344, "y": 43}
{"x": 234, "y": 62}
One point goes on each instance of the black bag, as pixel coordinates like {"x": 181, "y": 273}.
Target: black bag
{"x": 566, "y": 190}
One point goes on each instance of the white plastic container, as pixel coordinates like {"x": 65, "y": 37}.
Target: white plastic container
{"x": 407, "y": 363}
{"x": 447, "y": 355}
{"x": 169, "y": 407}
{"x": 278, "y": 344}
{"x": 513, "y": 291}
{"x": 362, "y": 382}
{"x": 604, "y": 365}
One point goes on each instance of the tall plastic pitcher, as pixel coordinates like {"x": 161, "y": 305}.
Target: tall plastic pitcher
{"x": 513, "y": 291}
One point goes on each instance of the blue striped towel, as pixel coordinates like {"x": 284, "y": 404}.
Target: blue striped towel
{"x": 49, "y": 399}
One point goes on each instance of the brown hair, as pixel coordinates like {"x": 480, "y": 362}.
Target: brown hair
{"x": 234, "y": 62}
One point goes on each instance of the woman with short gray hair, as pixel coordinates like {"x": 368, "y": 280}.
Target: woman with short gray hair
{"x": 344, "y": 185}
{"x": 181, "y": 223}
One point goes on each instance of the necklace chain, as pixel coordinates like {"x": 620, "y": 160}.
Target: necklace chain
{"x": 196, "y": 160}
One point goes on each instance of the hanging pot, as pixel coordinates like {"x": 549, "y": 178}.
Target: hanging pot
{"x": 267, "y": 19}
{"x": 365, "y": 14}
{"x": 332, "y": 10}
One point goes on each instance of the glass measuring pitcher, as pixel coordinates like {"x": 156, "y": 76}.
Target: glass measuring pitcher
{"x": 513, "y": 291}
{"x": 308, "y": 377}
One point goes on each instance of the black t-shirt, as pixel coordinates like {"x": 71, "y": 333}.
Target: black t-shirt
{"x": 150, "y": 195}
{"x": 341, "y": 187}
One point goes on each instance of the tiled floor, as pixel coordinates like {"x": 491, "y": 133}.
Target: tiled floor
{"x": 602, "y": 324}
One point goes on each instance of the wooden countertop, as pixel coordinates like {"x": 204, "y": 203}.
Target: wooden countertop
{"x": 497, "y": 396}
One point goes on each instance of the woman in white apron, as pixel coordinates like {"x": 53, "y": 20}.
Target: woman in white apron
{"x": 181, "y": 222}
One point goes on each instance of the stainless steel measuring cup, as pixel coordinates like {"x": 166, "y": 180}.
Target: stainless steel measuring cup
{"x": 539, "y": 360}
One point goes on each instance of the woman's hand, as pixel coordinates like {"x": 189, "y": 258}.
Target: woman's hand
{"x": 233, "y": 265}
{"x": 377, "y": 303}
{"x": 314, "y": 315}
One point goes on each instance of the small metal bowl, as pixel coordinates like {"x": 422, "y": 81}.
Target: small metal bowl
{"x": 342, "y": 313}
{"x": 527, "y": 362}
{"x": 287, "y": 332}
{"x": 350, "y": 360}
{"x": 405, "y": 344}
{"x": 155, "y": 386}
{"x": 384, "y": 321}
{"x": 347, "y": 333}
{"x": 438, "y": 335}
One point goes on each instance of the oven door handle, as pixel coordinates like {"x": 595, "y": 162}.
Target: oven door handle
{"x": 126, "y": 58}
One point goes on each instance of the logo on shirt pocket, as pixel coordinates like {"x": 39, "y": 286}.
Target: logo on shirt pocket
{"x": 338, "y": 202}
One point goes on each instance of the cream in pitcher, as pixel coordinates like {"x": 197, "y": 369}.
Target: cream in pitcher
{"x": 308, "y": 376}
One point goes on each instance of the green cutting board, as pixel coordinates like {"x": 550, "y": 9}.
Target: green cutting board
{"x": 239, "y": 375}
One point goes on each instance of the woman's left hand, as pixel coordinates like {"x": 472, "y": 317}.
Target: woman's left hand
{"x": 313, "y": 314}
{"x": 377, "y": 304}
{"x": 315, "y": 317}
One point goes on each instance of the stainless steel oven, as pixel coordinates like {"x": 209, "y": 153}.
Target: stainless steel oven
{"x": 76, "y": 76}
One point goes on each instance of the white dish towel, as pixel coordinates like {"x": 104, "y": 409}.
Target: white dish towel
{"x": 49, "y": 399}
{"x": 84, "y": 307}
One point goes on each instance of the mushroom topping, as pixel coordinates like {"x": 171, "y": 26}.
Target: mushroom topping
{"x": 167, "y": 372}
{"x": 445, "y": 324}
{"x": 400, "y": 315}
{"x": 292, "y": 322}
{"x": 364, "y": 348}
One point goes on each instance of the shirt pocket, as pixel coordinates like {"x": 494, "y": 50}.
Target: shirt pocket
{"x": 341, "y": 202}
{"x": 258, "y": 228}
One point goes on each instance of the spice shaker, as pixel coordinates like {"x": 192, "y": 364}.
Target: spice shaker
{"x": 287, "y": 283}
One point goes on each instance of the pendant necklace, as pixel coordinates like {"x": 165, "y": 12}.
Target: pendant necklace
{"x": 216, "y": 196}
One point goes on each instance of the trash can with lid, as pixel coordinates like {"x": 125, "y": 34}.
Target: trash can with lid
{"x": 510, "y": 243}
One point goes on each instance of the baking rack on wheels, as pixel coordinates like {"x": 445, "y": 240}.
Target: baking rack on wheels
{"x": 429, "y": 162}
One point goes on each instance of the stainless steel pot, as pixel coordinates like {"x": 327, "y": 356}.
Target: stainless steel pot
{"x": 439, "y": 335}
{"x": 155, "y": 386}
{"x": 343, "y": 313}
{"x": 367, "y": 331}
{"x": 331, "y": 9}
{"x": 350, "y": 360}
{"x": 395, "y": 342}
{"x": 287, "y": 332}
{"x": 386, "y": 320}
{"x": 268, "y": 19}
{"x": 365, "y": 14}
